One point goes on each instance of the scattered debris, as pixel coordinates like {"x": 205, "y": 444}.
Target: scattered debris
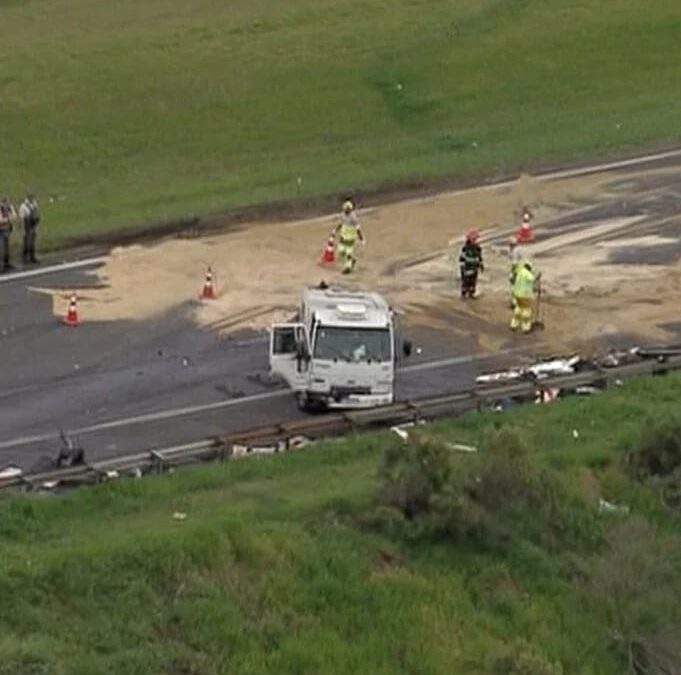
{"x": 461, "y": 447}
{"x": 555, "y": 367}
{"x": 70, "y": 454}
{"x": 400, "y": 429}
{"x": 293, "y": 443}
{"x": 10, "y": 472}
{"x": 587, "y": 390}
{"x": 548, "y": 395}
{"x": 502, "y": 376}
{"x": 608, "y": 507}
{"x": 178, "y": 515}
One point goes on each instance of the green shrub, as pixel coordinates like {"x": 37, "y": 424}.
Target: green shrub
{"x": 461, "y": 494}
{"x": 412, "y": 474}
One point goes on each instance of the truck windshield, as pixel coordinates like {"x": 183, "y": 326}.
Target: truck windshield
{"x": 353, "y": 344}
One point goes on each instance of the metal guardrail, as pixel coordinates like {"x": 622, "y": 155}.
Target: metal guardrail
{"x": 283, "y": 437}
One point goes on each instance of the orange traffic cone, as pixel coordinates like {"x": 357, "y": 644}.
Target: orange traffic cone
{"x": 329, "y": 253}
{"x": 525, "y": 233}
{"x": 208, "y": 292}
{"x": 71, "y": 318}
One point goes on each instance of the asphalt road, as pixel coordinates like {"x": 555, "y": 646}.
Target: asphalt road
{"x": 122, "y": 387}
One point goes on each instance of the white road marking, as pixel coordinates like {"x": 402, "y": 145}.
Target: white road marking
{"x": 149, "y": 417}
{"x": 52, "y": 269}
{"x": 555, "y": 175}
{"x": 174, "y": 413}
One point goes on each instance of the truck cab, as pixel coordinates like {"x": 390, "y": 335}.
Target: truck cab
{"x": 340, "y": 353}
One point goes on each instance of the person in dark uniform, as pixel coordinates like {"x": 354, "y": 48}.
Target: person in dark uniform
{"x": 7, "y": 214}
{"x": 30, "y": 218}
{"x": 470, "y": 264}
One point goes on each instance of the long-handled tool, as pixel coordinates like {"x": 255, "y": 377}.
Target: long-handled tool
{"x": 539, "y": 320}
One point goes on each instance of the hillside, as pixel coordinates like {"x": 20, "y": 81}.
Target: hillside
{"x": 126, "y": 112}
{"x": 306, "y": 563}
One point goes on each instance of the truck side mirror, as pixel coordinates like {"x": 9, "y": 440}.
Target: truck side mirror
{"x": 407, "y": 348}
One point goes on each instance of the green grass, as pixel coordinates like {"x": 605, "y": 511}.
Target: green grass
{"x": 278, "y": 569}
{"x": 131, "y": 112}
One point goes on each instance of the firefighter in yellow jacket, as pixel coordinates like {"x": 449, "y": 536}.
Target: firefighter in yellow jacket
{"x": 524, "y": 286}
{"x": 348, "y": 232}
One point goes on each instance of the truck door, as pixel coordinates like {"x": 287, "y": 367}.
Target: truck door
{"x": 290, "y": 354}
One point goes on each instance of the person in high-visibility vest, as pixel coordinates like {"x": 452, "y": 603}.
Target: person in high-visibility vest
{"x": 348, "y": 232}
{"x": 523, "y": 298}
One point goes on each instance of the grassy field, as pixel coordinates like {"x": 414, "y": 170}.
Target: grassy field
{"x": 129, "y": 112}
{"x": 283, "y": 566}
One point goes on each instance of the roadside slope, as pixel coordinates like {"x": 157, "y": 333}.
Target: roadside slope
{"x": 284, "y": 564}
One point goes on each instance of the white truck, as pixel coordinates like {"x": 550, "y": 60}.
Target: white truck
{"x": 341, "y": 354}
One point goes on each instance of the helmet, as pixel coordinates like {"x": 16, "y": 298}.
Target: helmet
{"x": 472, "y": 236}
{"x": 526, "y": 217}
{"x": 348, "y": 206}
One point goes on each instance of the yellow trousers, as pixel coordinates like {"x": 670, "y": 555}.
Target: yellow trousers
{"x": 346, "y": 252}
{"x": 523, "y": 314}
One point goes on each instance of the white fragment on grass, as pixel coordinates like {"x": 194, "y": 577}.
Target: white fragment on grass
{"x": 575, "y": 433}
{"x": 461, "y": 447}
{"x": 608, "y": 507}
{"x": 400, "y": 429}
{"x": 404, "y": 435}
{"x": 178, "y": 515}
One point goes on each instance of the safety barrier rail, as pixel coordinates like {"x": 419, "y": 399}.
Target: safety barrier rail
{"x": 283, "y": 437}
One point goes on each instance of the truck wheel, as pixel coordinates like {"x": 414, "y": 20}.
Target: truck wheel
{"x": 309, "y": 405}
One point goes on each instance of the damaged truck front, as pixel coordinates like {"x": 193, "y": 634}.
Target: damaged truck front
{"x": 341, "y": 353}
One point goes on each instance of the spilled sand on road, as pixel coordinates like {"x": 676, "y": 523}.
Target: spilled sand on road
{"x": 261, "y": 269}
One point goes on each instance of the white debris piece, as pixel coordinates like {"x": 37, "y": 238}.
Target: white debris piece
{"x": 461, "y": 447}
{"x": 294, "y": 443}
{"x": 554, "y": 367}
{"x": 503, "y": 376}
{"x": 178, "y": 515}
{"x": 608, "y": 507}
{"x": 10, "y": 471}
{"x": 538, "y": 371}
{"x": 400, "y": 429}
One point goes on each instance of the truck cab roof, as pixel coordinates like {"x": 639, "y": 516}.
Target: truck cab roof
{"x": 339, "y": 307}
